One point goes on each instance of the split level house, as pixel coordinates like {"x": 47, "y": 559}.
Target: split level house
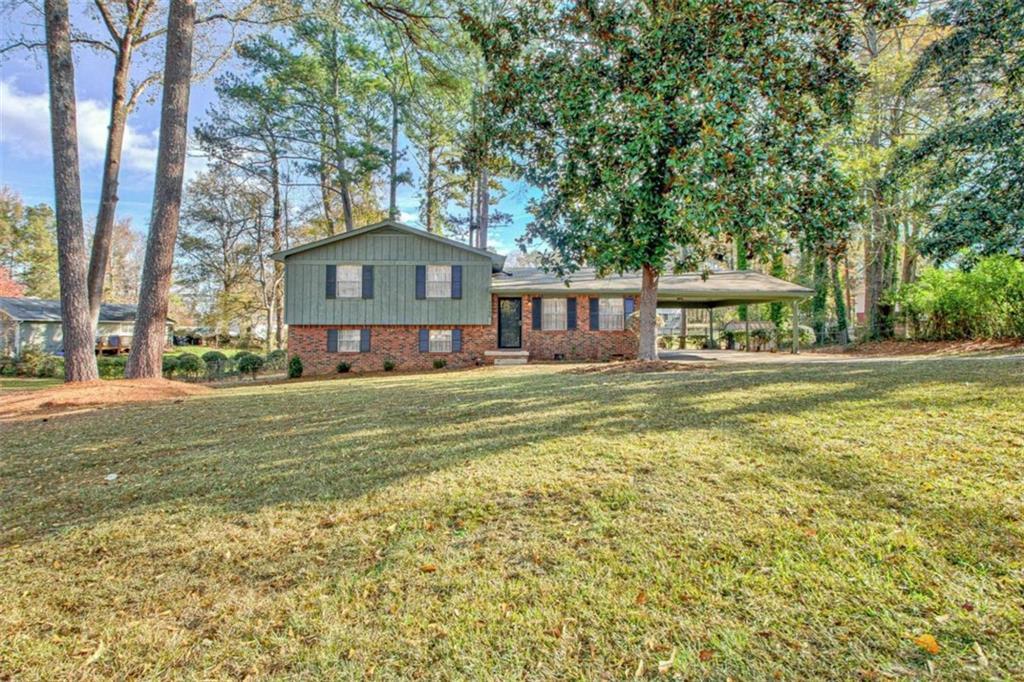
{"x": 389, "y": 291}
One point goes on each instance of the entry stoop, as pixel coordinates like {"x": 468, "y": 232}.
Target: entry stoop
{"x": 508, "y": 357}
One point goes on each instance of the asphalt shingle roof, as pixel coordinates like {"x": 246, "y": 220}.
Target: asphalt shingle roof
{"x": 43, "y": 310}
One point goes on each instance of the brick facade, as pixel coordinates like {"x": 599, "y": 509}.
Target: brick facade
{"x": 400, "y": 343}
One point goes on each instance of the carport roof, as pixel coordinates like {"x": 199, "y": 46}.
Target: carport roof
{"x": 691, "y": 289}
{"x": 44, "y": 310}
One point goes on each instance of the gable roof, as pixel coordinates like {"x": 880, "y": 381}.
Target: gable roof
{"x": 719, "y": 288}
{"x": 45, "y": 310}
{"x": 497, "y": 261}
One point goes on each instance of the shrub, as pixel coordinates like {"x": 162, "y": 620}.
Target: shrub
{"x": 216, "y": 363}
{"x": 440, "y": 363}
{"x": 190, "y": 365}
{"x": 50, "y": 366}
{"x": 295, "y": 367}
{"x": 8, "y": 366}
{"x": 277, "y": 359}
{"x": 250, "y": 363}
{"x": 111, "y": 367}
{"x": 170, "y": 364}
{"x": 343, "y": 367}
{"x": 389, "y": 365}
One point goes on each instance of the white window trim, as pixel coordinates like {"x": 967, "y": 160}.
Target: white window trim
{"x": 440, "y": 341}
{"x": 611, "y": 314}
{"x": 440, "y": 284}
{"x": 351, "y": 285}
{"x": 345, "y": 340}
{"x": 554, "y": 314}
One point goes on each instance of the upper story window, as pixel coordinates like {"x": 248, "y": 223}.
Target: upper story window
{"x": 612, "y": 314}
{"x": 553, "y": 314}
{"x": 348, "y": 341}
{"x": 348, "y": 282}
{"x": 439, "y": 281}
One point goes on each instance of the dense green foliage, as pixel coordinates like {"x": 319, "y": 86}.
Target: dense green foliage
{"x": 973, "y": 165}
{"x": 295, "y": 367}
{"x": 343, "y": 367}
{"x": 985, "y": 302}
{"x": 250, "y": 363}
{"x": 190, "y": 365}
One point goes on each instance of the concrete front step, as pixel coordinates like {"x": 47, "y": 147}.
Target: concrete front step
{"x": 508, "y": 357}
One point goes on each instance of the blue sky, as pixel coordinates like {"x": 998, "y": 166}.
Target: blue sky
{"x": 25, "y": 153}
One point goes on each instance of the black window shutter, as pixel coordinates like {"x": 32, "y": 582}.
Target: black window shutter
{"x": 367, "y": 281}
{"x": 332, "y": 340}
{"x": 538, "y": 313}
{"x": 628, "y": 306}
{"x": 421, "y": 281}
{"x": 424, "y": 340}
{"x": 364, "y": 340}
{"x": 456, "y": 281}
{"x": 570, "y": 313}
{"x": 332, "y": 281}
{"x": 456, "y": 340}
{"x": 595, "y": 314}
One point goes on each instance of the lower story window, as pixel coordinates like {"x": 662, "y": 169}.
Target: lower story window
{"x": 440, "y": 340}
{"x": 348, "y": 341}
{"x": 553, "y": 314}
{"x": 612, "y": 314}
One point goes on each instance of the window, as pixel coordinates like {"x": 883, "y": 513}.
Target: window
{"x": 348, "y": 341}
{"x": 612, "y": 314}
{"x": 440, "y": 340}
{"x": 553, "y": 311}
{"x": 348, "y": 282}
{"x": 439, "y": 281}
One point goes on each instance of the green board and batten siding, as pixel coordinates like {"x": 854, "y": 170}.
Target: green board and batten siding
{"x": 394, "y": 256}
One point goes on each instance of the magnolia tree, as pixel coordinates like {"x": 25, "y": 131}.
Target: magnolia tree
{"x": 653, "y": 128}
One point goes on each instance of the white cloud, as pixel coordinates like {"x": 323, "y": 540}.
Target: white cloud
{"x": 25, "y": 130}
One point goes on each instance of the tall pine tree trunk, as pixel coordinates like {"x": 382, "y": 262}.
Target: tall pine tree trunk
{"x": 648, "y": 314}
{"x": 277, "y": 243}
{"x": 104, "y": 234}
{"x": 79, "y": 341}
{"x": 483, "y": 223}
{"x": 429, "y": 189}
{"x": 393, "y": 168}
{"x": 145, "y": 360}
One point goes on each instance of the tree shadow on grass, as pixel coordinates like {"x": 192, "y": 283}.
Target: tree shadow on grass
{"x": 241, "y": 450}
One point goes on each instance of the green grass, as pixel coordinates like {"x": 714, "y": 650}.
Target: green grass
{"x": 26, "y": 383}
{"x": 803, "y": 522}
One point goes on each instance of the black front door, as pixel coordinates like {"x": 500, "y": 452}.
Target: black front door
{"x": 510, "y": 323}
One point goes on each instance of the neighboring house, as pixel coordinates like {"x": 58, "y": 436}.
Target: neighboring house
{"x": 35, "y": 323}
{"x": 391, "y": 291}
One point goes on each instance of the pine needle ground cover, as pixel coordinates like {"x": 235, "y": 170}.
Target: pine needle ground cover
{"x": 804, "y": 521}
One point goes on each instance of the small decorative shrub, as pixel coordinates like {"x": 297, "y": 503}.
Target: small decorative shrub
{"x": 250, "y": 363}
{"x": 8, "y": 367}
{"x": 50, "y": 366}
{"x": 111, "y": 367}
{"x": 295, "y": 367}
{"x": 389, "y": 365}
{"x": 35, "y": 362}
{"x": 170, "y": 365}
{"x": 343, "y": 367}
{"x": 440, "y": 363}
{"x": 216, "y": 363}
{"x": 276, "y": 359}
{"x": 190, "y": 365}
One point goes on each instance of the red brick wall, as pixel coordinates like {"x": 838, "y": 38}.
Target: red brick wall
{"x": 578, "y": 344}
{"x": 401, "y": 343}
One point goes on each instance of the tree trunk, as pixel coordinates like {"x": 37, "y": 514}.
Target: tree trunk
{"x": 648, "y": 315}
{"x": 741, "y": 264}
{"x": 819, "y": 302}
{"x": 277, "y": 243}
{"x": 484, "y": 206}
{"x": 393, "y": 169}
{"x": 104, "y": 234}
{"x": 908, "y": 271}
{"x": 429, "y": 189}
{"x": 145, "y": 360}
{"x": 838, "y": 297}
{"x": 79, "y": 341}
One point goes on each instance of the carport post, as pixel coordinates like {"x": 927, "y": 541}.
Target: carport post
{"x": 711, "y": 329}
{"x": 682, "y": 328}
{"x": 747, "y": 323}
{"x": 796, "y": 329}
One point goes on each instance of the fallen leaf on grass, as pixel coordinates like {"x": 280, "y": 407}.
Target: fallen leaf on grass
{"x": 665, "y": 666}
{"x": 928, "y": 643}
{"x": 982, "y": 658}
{"x": 428, "y": 568}
{"x": 96, "y": 654}
{"x": 641, "y": 598}
{"x": 705, "y": 655}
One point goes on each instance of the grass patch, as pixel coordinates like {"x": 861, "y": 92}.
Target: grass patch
{"x": 26, "y": 383}
{"x": 745, "y": 521}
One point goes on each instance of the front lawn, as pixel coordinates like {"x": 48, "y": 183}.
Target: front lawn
{"x": 797, "y": 522}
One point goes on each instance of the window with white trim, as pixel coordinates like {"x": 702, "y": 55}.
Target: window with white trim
{"x": 348, "y": 281}
{"x": 553, "y": 314}
{"x": 439, "y": 281}
{"x": 440, "y": 341}
{"x": 348, "y": 340}
{"x": 611, "y": 314}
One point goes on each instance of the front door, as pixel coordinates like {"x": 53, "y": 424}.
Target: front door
{"x": 510, "y": 323}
